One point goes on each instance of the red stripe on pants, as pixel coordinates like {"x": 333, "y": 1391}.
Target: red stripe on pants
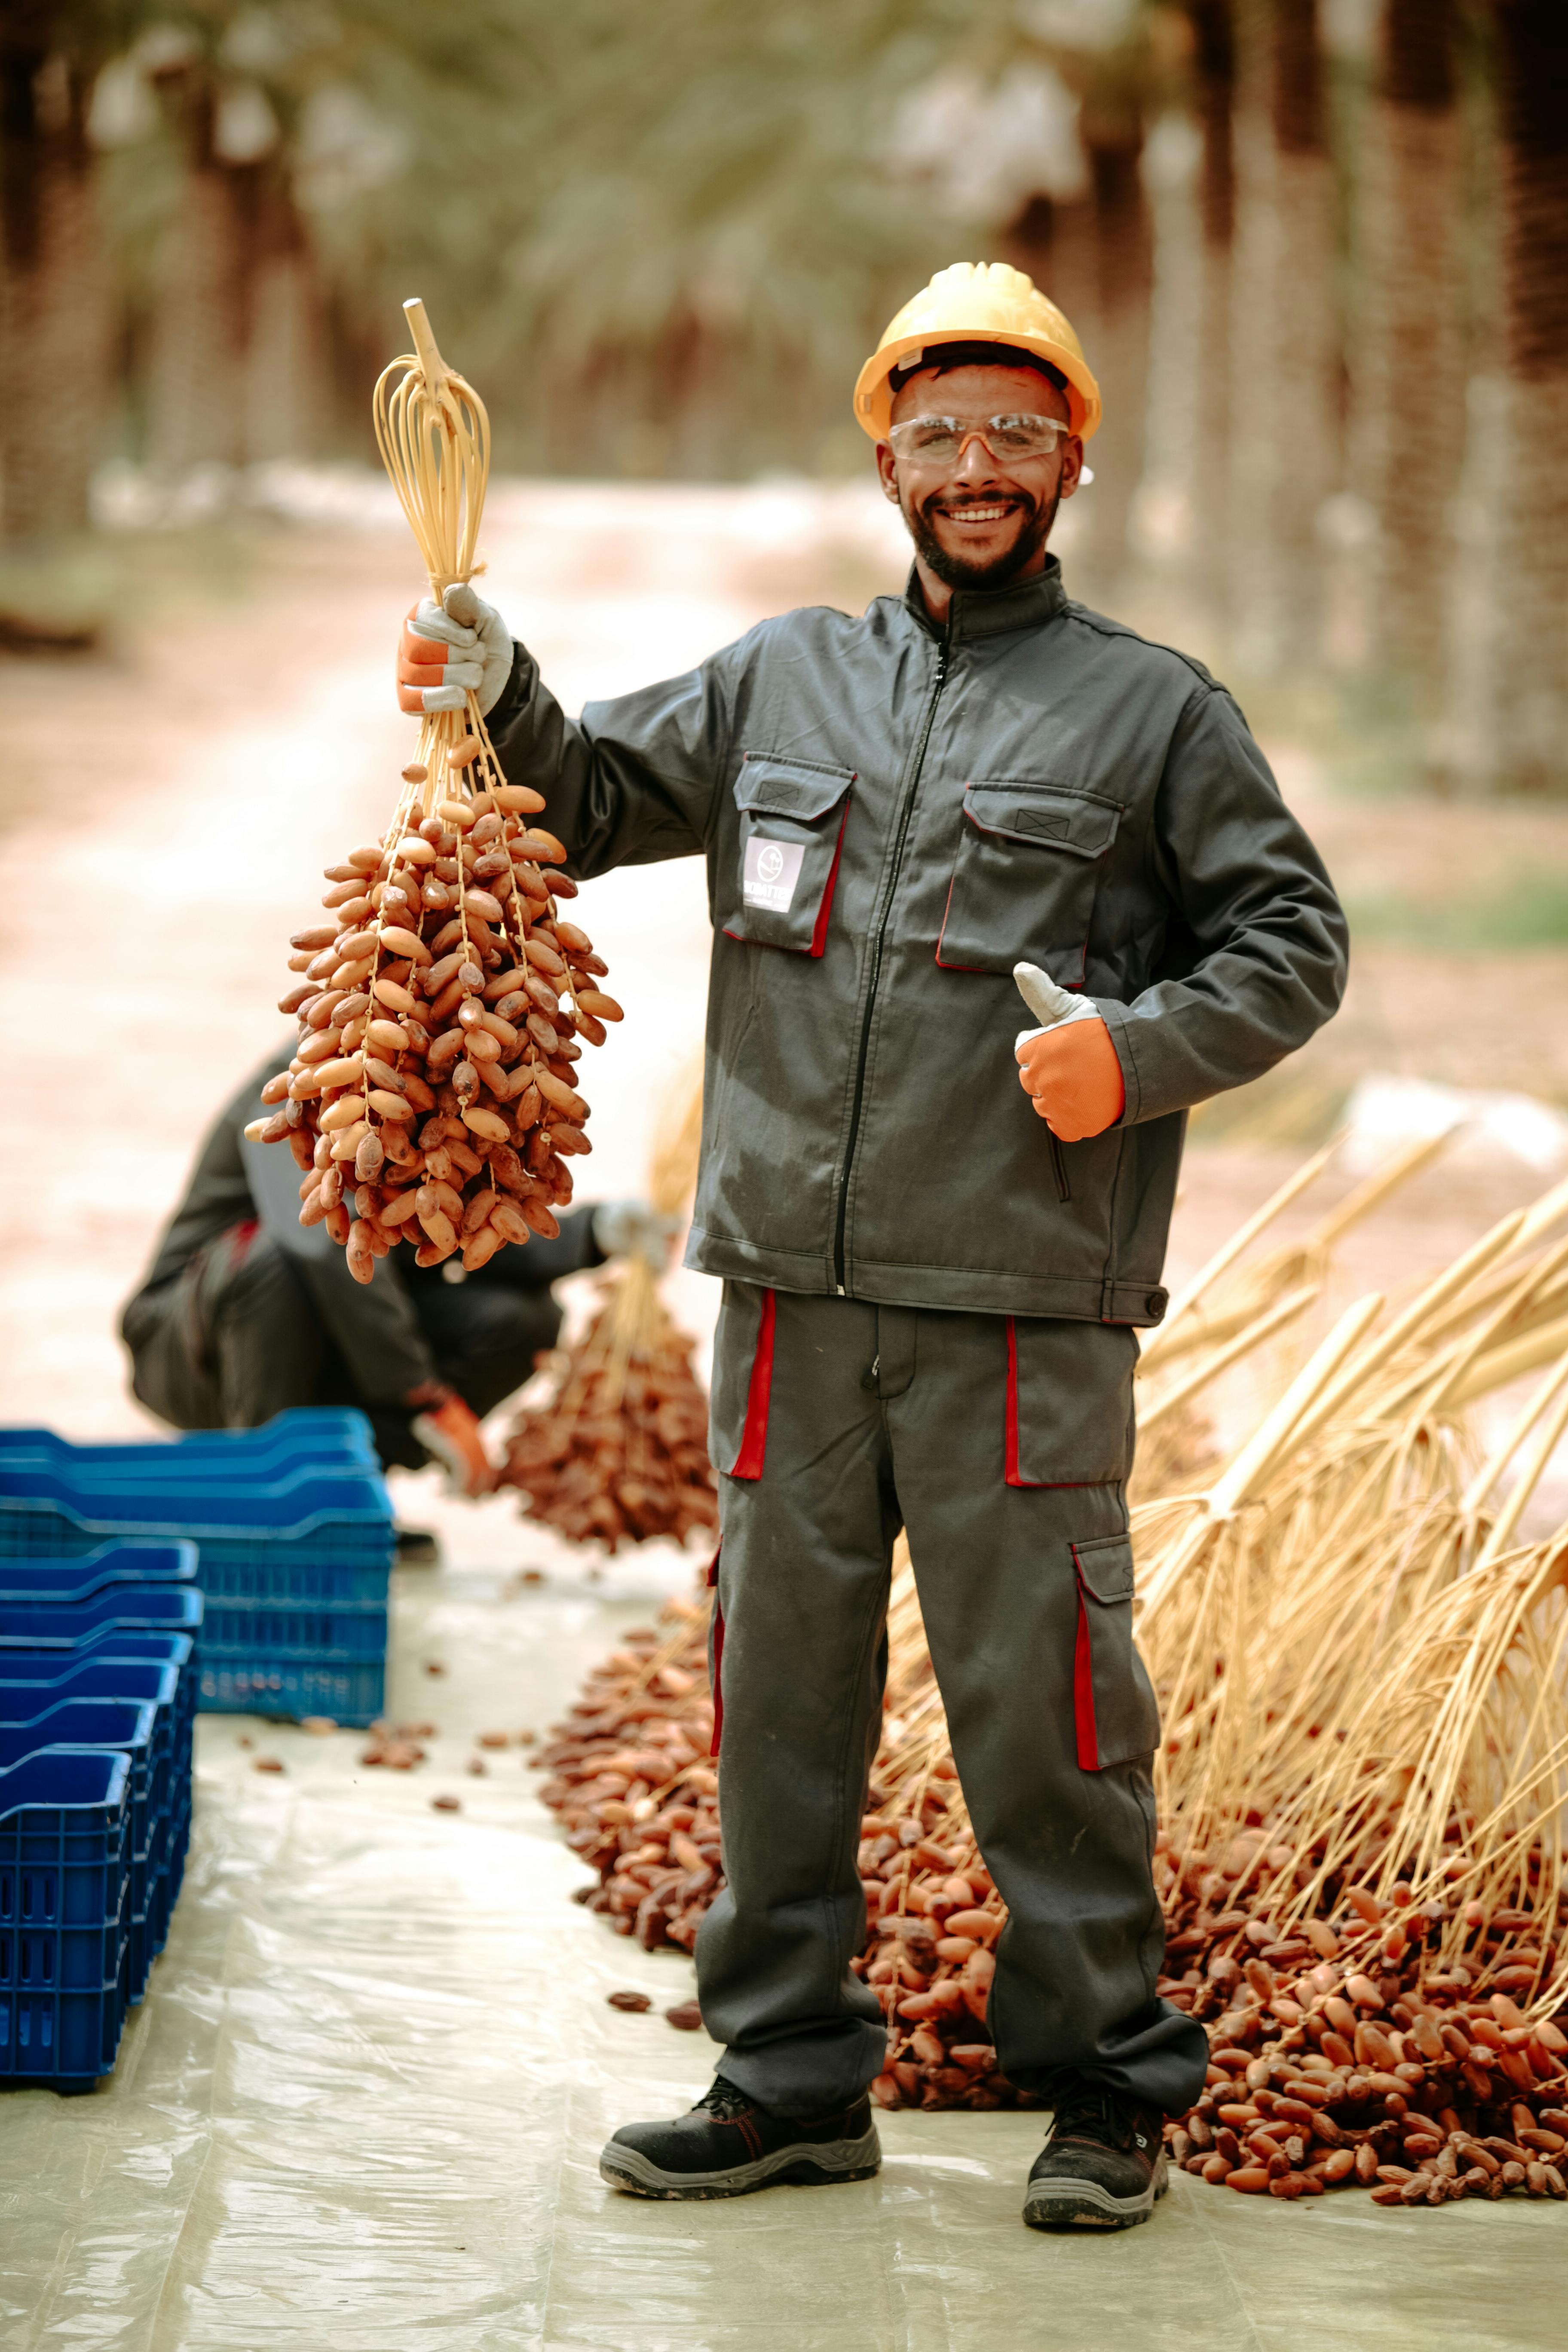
{"x": 747, "y": 1463}
{"x": 1011, "y": 1459}
{"x": 1083, "y": 1694}
{"x": 718, "y": 1658}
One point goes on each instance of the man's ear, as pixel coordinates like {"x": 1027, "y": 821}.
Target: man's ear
{"x": 1072, "y": 464}
{"x": 888, "y": 473}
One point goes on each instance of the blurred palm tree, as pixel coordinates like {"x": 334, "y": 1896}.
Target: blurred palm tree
{"x": 203, "y": 314}
{"x": 1528, "y": 747}
{"x": 1409, "y": 358}
{"x": 1283, "y": 344}
{"x": 303, "y": 150}
{"x": 707, "y": 228}
{"x": 1213, "y": 99}
{"x": 1095, "y": 254}
{"x": 55, "y": 313}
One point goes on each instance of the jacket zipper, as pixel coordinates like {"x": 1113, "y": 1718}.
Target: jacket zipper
{"x": 877, "y": 946}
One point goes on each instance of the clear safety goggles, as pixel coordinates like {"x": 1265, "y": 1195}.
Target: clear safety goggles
{"x": 942, "y": 440}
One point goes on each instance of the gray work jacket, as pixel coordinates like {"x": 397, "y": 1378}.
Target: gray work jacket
{"x": 894, "y": 813}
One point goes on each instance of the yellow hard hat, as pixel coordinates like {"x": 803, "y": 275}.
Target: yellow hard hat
{"x": 976, "y": 302}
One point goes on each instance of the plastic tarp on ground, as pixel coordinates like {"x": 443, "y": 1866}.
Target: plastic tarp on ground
{"x": 360, "y": 2108}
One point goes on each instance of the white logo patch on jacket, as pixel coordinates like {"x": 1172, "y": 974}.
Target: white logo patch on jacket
{"x": 772, "y": 871}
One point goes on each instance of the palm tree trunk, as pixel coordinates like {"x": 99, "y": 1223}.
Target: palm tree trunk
{"x": 1410, "y": 396}
{"x": 285, "y": 389}
{"x": 1123, "y": 298}
{"x": 1284, "y": 440}
{"x": 195, "y": 386}
{"x": 1029, "y": 243}
{"x": 1215, "y": 76}
{"x": 54, "y": 294}
{"x": 1528, "y": 746}
{"x": 1056, "y": 243}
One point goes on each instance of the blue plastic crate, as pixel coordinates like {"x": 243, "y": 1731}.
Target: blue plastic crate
{"x": 245, "y": 1681}
{"x": 286, "y": 1575}
{"x": 297, "y": 1577}
{"x": 103, "y": 1653}
{"x": 295, "y": 1569}
{"x": 112, "y": 1646}
{"x": 313, "y": 1431}
{"x": 63, "y": 1823}
{"x": 164, "y": 1678}
{"x": 124, "y": 1646}
{"x": 132, "y": 1730}
{"x": 54, "y": 1584}
{"x": 32, "y": 1683}
{"x": 343, "y": 1519}
{"x": 179, "y": 1848}
{"x": 132, "y": 1608}
{"x": 265, "y": 1626}
{"x": 88, "y": 1633}
{"x": 327, "y": 1436}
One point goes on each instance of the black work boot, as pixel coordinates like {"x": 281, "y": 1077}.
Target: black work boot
{"x": 728, "y": 2146}
{"x": 1103, "y": 2165}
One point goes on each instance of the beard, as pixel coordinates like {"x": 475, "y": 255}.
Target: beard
{"x": 961, "y": 571}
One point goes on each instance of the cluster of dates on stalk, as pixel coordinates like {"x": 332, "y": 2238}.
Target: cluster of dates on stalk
{"x": 432, "y": 1098}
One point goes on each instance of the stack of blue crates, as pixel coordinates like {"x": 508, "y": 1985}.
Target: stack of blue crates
{"x": 98, "y": 1672}
{"x": 242, "y": 1573}
{"x": 293, "y": 1530}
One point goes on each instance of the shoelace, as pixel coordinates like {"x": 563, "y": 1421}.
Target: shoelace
{"x": 1096, "y": 2113}
{"x": 723, "y": 2100}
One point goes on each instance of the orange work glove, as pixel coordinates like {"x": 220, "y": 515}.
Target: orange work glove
{"x": 1069, "y": 1068}
{"x": 450, "y": 1431}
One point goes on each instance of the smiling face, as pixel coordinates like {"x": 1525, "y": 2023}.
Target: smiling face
{"x": 982, "y": 522}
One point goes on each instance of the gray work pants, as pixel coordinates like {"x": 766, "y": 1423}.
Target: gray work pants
{"x": 1003, "y": 1445}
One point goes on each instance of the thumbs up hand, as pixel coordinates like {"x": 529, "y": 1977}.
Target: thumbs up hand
{"x": 1069, "y": 1066}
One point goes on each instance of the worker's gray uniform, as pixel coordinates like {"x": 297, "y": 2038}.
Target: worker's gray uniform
{"x": 892, "y": 815}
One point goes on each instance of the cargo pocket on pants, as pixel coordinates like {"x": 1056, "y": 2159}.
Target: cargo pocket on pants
{"x": 1114, "y": 1706}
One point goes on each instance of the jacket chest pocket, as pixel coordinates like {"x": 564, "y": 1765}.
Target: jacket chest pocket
{"x": 1029, "y": 861}
{"x": 792, "y": 816}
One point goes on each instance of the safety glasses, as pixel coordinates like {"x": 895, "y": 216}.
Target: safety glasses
{"x": 941, "y": 440}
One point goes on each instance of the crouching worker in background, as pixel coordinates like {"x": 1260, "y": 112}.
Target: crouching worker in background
{"x": 245, "y": 1312}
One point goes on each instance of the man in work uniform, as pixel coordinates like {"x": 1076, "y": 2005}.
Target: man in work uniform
{"x": 933, "y": 1277}
{"x": 245, "y": 1312}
